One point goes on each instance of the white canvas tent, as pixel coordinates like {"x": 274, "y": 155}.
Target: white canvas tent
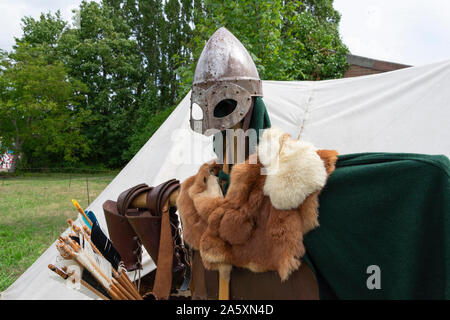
{"x": 407, "y": 110}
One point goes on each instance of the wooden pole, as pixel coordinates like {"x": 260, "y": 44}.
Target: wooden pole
{"x": 224, "y": 282}
{"x": 87, "y": 189}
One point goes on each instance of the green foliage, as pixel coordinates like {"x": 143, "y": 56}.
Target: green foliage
{"x": 288, "y": 40}
{"x": 141, "y": 136}
{"x": 92, "y": 93}
{"x": 38, "y": 107}
{"x": 102, "y": 55}
{"x": 46, "y": 30}
{"x": 161, "y": 31}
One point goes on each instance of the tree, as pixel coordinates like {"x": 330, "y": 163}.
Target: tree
{"x": 38, "y": 115}
{"x": 103, "y": 55}
{"x": 135, "y": 59}
{"x": 47, "y": 30}
{"x": 162, "y": 31}
{"x": 288, "y": 40}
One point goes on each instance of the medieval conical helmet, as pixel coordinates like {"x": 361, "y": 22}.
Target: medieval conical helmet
{"x": 225, "y": 78}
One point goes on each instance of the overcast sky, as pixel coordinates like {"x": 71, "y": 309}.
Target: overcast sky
{"x": 414, "y": 32}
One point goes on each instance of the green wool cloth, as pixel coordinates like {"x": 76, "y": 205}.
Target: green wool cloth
{"x": 260, "y": 118}
{"x": 388, "y": 210}
{"x": 259, "y": 121}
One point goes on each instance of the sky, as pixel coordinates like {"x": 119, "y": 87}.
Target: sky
{"x": 12, "y": 12}
{"x": 413, "y": 32}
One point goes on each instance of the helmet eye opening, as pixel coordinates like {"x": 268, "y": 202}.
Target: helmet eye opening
{"x": 225, "y": 108}
{"x": 196, "y": 112}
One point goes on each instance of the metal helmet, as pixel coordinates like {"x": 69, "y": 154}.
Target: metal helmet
{"x": 225, "y": 72}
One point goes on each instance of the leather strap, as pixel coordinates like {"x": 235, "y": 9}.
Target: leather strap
{"x": 160, "y": 194}
{"x": 158, "y": 205}
{"x": 163, "y": 279}
{"x": 130, "y": 198}
{"x": 126, "y": 197}
{"x": 248, "y": 118}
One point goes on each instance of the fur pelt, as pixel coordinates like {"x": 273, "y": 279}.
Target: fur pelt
{"x": 294, "y": 169}
{"x": 245, "y": 228}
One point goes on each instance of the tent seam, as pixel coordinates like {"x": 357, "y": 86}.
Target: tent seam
{"x": 305, "y": 118}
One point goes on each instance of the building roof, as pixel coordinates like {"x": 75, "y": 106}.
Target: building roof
{"x": 374, "y": 64}
{"x": 360, "y": 66}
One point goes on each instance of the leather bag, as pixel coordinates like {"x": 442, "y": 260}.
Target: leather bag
{"x": 156, "y": 227}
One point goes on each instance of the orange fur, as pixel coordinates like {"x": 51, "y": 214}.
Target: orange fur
{"x": 243, "y": 228}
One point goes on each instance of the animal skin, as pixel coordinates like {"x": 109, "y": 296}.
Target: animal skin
{"x": 272, "y": 201}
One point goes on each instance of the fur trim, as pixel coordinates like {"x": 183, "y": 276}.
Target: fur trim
{"x": 294, "y": 169}
{"x": 244, "y": 228}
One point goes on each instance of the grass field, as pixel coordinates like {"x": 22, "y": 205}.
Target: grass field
{"x": 33, "y": 212}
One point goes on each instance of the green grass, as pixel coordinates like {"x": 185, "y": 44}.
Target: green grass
{"x": 33, "y": 212}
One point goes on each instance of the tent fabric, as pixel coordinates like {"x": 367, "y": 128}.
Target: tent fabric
{"x": 392, "y": 212}
{"x": 405, "y": 110}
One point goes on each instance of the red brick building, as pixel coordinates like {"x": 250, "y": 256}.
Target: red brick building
{"x": 361, "y": 66}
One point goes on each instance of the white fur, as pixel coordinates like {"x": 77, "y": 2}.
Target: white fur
{"x": 294, "y": 169}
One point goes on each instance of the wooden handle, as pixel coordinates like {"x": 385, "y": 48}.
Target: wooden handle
{"x": 224, "y": 288}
